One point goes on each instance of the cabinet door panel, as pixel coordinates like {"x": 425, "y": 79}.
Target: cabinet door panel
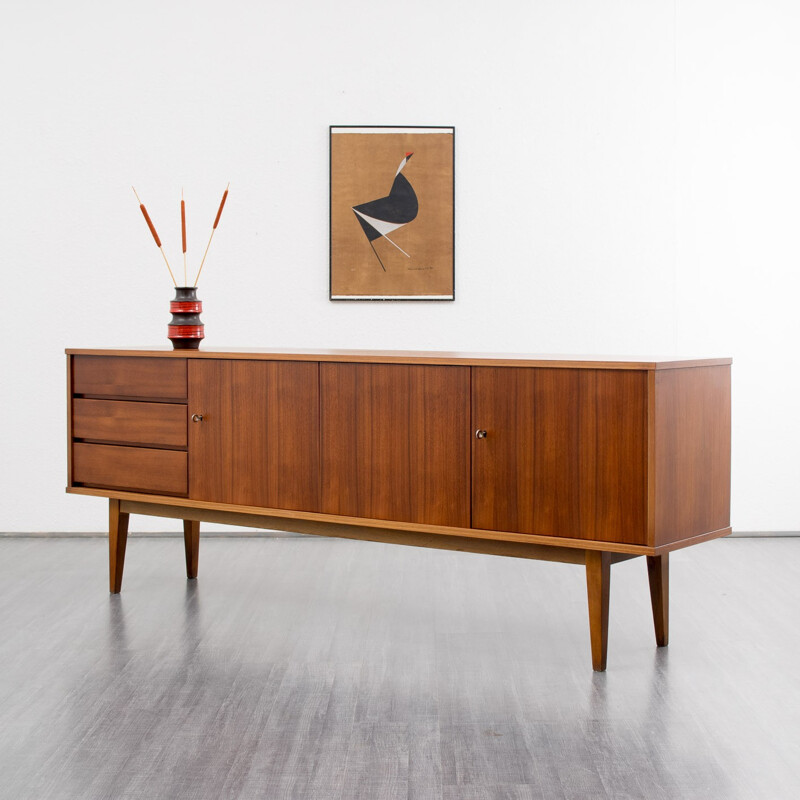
{"x": 258, "y": 442}
{"x": 622, "y": 456}
{"x": 395, "y": 442}
{"x": 565, "y": 452}
{"x": 535, "y": 470}
{"x": 503, "y": 462}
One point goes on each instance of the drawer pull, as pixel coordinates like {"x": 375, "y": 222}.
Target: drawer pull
{"x": 197, "y": 417}
{"x": 479, "y": 434}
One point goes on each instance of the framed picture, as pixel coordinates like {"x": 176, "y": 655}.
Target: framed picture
{"x": 392, "y": 213}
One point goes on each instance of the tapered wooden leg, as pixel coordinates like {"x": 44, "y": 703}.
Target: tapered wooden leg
{"x": 191, "y": 541}
{"x": 598, "y": 580}
{"x": 117, "y": 539}
{"x": 658, "y": 572}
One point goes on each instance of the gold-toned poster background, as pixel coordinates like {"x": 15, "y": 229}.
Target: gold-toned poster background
{"x": 363, "y": 168}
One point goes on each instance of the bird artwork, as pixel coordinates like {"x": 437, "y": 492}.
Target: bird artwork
{"x": 386, "y": 214}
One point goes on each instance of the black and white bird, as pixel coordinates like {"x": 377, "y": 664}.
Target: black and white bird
{"x": 380, "y": 217}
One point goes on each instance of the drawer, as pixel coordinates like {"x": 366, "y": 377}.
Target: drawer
{"x": 157, "y": 424}
{"x": 139, "y": 469}
{"x": 122, "y": 376}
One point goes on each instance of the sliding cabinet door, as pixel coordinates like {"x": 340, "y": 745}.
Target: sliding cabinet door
{"x": 564, "y": 452}
{"x": 395, "y": 442}
{"x": 257, "y": 443}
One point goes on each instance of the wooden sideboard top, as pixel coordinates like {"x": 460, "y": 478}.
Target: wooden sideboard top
{"x": 415, "y": 357}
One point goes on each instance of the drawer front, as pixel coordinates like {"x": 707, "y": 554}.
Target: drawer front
{"x": 121, "y": 376}
{"x": 157, "y": 424}
{"x": 139, "y": 469}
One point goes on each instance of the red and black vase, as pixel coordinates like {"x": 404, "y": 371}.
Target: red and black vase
{"x": 185, "y": 329}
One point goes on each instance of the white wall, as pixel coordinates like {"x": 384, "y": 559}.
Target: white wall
{"x": 625, "y": 183}
{"x": 738, "y": 253}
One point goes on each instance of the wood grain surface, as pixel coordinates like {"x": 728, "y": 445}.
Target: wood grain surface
{"x": 535, "y": 470}
{"x": 284, "y": 520}
{"x": 622, "y": 458}
{"x": 692, "y": 452}
{"x": 155, "y": 424}
{"x": 432, "y": 357}
{"x": 136, "y": 468}
{"x": 503, "y": 463}
{"x": 258, "y": 442}
{"x": 621, "y": 505}
{"x": 598, "y": 584}
{"x": 123, "y": 376}
{"x": 565, "y": 453}
{"x": 395, "y": 442}
{"x": 658, "y": 576}
{"x": 118, "y": 521}
{"x": 191, "y": 545}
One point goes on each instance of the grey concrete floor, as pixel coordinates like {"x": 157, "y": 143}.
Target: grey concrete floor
{"x": 314, "y": 668}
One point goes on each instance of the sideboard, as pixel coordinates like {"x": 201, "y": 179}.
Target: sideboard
{"x": 583, "y": 460}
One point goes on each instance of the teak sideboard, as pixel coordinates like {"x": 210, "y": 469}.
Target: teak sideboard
{"x": 582, "y": 460}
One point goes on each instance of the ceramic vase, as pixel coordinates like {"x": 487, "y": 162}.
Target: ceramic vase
{"x": 185, "y": 329}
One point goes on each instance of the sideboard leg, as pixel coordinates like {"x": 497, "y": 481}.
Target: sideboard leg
{"x": 117, "y": 539}
{"x": 658, "y": 572}
{"x": 598, "y": 579}
{"x": 191, "y": 541}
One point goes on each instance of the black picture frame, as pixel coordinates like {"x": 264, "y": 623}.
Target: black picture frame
{"x": 338, "y": 218}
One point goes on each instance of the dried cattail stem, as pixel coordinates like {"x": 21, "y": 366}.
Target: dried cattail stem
{"x": 221, "y": 205}
{"x": 183, "y": 236}
{"x": 213, "y": 228}
{"x": 150, "y": 225}
{"x": 155, "y": 236}
{"x": 197, "y": 277}
{"x": 174, "y": 282}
